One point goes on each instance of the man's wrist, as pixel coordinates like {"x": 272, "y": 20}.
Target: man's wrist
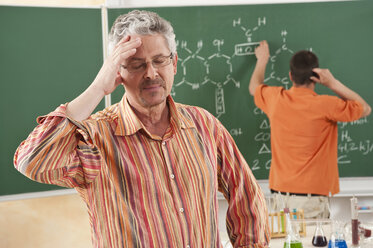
{"x": 334, "y": 85}
{"x": 262, "y": 61}
{"x": 96, "y": 90}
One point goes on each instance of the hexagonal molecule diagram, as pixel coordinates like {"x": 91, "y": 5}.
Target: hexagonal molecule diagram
{"x": 194, "y": 58}
{"x": 207, "y": 63}
{"x": 274, "y": 68}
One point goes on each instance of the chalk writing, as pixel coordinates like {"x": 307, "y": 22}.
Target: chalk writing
{"x": 349, "y": 145}
{"x": 364, "y": 147}
{"x": 236, "y": 131}
{"x": 201, "y": 68}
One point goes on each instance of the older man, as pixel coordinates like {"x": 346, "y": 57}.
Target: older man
{"x": 148, "y": 168}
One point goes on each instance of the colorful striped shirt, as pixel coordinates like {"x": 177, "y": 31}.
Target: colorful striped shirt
{"x": 147, "y": 191}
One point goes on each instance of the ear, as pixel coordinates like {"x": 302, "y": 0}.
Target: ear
{"x": 120, "y": 79}
{"x": 174, "y": 63}
{"x": 290, "y": 77}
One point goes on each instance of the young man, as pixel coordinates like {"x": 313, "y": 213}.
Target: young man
{"x": 304, "y": 131}
{"x": 148, "y": 168}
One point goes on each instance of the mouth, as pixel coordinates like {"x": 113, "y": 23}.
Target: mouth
{"x": 152, "y": 85}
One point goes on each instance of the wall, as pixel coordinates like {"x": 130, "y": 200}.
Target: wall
{"x": 57, "y": 221}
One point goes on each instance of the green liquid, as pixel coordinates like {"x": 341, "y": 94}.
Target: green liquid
{"x": 295, "y": 244}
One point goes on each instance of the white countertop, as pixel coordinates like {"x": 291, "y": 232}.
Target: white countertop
{"x": 306, "y": 241}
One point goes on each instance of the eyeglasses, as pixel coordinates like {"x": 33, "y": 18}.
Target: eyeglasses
{"x": 140, "y": 65}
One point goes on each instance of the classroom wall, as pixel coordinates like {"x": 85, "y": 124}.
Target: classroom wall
{"x": 56, "y": 221}
{"x": 62, "y": 221}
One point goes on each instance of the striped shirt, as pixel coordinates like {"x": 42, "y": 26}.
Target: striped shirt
{"x": 147, "y": 191}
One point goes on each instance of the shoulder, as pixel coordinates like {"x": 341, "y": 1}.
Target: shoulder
{"x": 109, "y": 114}
{"x": 338, "y": 109}
{"x": 265, "y": 90}
{"x": 199, "y": 116}
{"x": 332, "y": 101}
{"x": 194, "y": 112}
{"x": 266, "y": 95}
{"x": 270, "y": 87}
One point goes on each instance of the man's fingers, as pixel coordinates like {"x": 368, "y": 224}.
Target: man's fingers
{"x": 123, "y": 40}
{"x": 127, "y": 43}
{"x": 317, "y": 70}
{"x": 126, "y": 49}
{"x": 315, "y": 79}
{"x": 127, "y": 53}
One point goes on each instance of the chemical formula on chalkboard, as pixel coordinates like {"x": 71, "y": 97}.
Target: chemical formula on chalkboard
{"x": 241, "y": 49}
{"x": 262, "y": 138}
{"x": 217, "y": 57}
{"x": 349, "y": 145}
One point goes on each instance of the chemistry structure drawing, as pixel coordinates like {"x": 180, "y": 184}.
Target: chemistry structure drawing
{"x": 274, "y": 75}
{"x": 246, "y": 48}
{"x": 242, "y": 49}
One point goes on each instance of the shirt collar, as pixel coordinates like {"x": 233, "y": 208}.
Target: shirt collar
{"x": 129, "y": 123}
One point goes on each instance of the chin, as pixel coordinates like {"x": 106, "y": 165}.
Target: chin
{"x": 153, "y": 101}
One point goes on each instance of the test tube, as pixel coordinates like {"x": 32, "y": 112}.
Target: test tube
{"x": 354, "y": 222}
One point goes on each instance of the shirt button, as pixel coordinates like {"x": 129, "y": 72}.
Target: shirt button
{"x": 188, "y": 246}
{"x": 172, "y": 176}
{"x": 181, "y": 210}
{"x": 164, "y": 143}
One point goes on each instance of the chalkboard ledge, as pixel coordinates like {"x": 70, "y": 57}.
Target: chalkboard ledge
{"x": 349, "y": 186}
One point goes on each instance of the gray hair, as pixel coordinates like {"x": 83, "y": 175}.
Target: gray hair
{"x": 141, "y": 22}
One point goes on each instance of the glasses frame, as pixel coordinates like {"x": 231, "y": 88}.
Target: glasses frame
{"x": 144, "y": 65}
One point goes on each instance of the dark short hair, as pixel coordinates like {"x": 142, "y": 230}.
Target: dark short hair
{"x": 301, "y": 65}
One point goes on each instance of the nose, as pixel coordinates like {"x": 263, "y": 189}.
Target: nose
{"x": 150, "y": 71}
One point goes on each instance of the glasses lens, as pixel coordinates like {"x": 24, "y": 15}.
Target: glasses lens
{"x": 140, "y": 66}
{"x": 161, "y": 61}
{"x": 136, "y": 66}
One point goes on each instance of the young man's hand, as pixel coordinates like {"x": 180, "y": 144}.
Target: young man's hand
{"x": 262, "y": 52}
{"x": 325, "y": 78}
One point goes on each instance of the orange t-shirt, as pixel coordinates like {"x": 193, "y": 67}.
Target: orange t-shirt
{"x": 304, "y": 137}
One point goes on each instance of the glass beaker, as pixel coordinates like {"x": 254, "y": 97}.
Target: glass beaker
{"x": 337, "y": 237}
{"x": 292, "y": 239}
{"x": 319, "y": 239}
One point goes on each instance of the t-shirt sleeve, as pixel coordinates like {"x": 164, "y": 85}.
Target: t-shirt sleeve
{"x": 264, "y": 95}
{"x": 345, "y": 110}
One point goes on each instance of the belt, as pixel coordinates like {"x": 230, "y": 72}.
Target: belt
{"x": 296, "y": 194}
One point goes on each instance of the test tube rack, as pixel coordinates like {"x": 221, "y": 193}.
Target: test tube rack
{"x": 278, "y": 223}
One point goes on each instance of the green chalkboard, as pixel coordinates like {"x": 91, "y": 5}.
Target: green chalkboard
{"x": 50, "y": 55}
{"x": 47, "y": 57}
{"x": 215, "y": 48}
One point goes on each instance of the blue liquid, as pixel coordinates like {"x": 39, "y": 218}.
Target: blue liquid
{"x": 339, "y": 243}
